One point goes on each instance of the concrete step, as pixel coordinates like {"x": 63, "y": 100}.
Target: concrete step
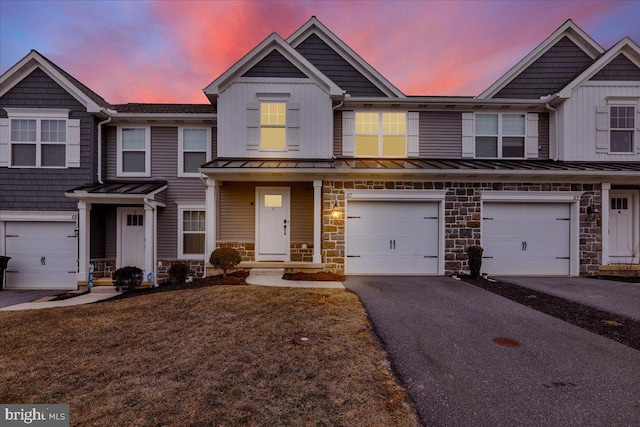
{"x": 277, "y": 272}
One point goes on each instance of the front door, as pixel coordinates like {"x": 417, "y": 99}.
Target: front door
{"x": 273, "y": 228}
{"x": 131, "y": 245}
{"x": 623, "y": 246}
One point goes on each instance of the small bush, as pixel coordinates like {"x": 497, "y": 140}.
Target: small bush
{"x": 225, "y": 258}
{"x": 475, "y": 260}
{"x": 127, "y": 279}
{"x": 178, "y": 273}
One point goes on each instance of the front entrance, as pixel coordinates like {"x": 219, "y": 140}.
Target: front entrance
{"x": 131, "y": 237}
{"x": 623, "y": 239}
{"x": 273, "y": 226}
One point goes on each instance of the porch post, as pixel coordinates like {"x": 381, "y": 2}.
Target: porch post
{"x": 149, "y": 243}
{"x": 84, "y": 239}
{"x": 210, "y": 218}
{"x": 317, "y": 220}
{"x": 604, "y": 221}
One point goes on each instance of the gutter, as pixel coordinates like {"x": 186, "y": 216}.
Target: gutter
{"x": 108, "y": 112}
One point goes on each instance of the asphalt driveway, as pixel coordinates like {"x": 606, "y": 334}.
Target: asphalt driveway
{"x": 13, "y": 297}
{"x": 440, "y": 332}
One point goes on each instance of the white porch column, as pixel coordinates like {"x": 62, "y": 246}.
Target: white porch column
{"x": 149, "y": 243}
{"x": 84, "y": 239}
{"x": 317, "y": 220}
{"x": 604, "y": 220}
{"x": 211, "y": 217}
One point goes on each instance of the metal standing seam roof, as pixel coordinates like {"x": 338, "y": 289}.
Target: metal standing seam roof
{"x": 122, "y": 187}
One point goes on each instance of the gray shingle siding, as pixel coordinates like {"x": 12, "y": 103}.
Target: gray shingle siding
{"x": 274, "y": 65}
{"x": 620, "y": 69}
{"x": 440, "y": 134}
{"x": 43, "y": 189}
{"x": 336, "y": 67}
{"x": 549, "y": 73}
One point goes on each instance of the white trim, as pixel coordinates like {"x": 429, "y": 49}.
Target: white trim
{"x": 287, "y": 205}
{"x": 633, "y": 195}
{"x": 211, "y": 217}
{"x": 604, "y": 221}
{"x": 147, "y": 151}
{"x": 500, "y": 135}
{"x": 190, "y": 206}
{"x": 317, "y": 221}
{"x": 181, "y": 172}
{"x": 62, "y": 216}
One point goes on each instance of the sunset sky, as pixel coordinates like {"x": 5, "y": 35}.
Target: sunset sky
{"x": 167, "y": 51}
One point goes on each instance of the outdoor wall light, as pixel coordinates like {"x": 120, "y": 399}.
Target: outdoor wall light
{"x": 593, "y": 212}
{"x": 335, "y": 212}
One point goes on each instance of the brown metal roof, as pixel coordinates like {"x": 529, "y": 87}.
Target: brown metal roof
{"x": 122, "y": 187}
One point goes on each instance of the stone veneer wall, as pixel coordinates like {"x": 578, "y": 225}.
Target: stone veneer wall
{"x": 463, "y": 218}
{"x": 107, "y": 266}
{"x": 247, "y": 250}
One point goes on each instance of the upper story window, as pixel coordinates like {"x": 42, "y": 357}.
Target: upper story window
{"x": 379, "y": 134}
{"x": 191, "y": 231}
{"x": 39, "y": 138}
{"x": 500, "y": 135}
{"x": 134, "y": 151}
{"x": 273, "y": 126}
{"x": 622, "y": 125}
{"x": 194, "y": 150}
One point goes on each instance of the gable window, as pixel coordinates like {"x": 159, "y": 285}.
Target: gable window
{"x": 134, "y": 156}
{"x": 622, "y": 125}
{"x": 500, "y": 135}
{"x": 194, "y": 150}
{"x": 273, "y": 126}
{"x": 191, "y": 231}
{"x": 379, "y": 134}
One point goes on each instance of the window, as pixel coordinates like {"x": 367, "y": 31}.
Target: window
{"x": 191, "y": 231}
{"x": 621, "y": 127}
{"x": 38, "y": 143}
{"x": 499, "y": 135}
{"x": 381, "y": 134}
{"x": 194, "y": 150}
{"x": 134, "y": 151}
{"x": 273, "y": 126}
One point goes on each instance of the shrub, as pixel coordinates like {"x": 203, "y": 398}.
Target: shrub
{"x": 178, "y": 272}
{"x": 127, "y": 279}
{"x": 475, "y": 260}
{"x": 225, "y": 258}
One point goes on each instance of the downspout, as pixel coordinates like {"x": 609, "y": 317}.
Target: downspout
{"x": 154, "y": 233}
{"x": 104, "y": 122}
{"x": 557, "y": 121}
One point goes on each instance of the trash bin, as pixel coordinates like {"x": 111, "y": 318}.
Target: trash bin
{"x": 4, "y": 260}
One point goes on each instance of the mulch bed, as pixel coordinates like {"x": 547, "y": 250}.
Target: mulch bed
{"x": 321, "y": 276}
{"x": 613, "y": 326}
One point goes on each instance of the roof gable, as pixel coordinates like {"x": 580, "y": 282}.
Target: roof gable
{"x": 620, "y": 68}
{"x": 255, "y": 57}
{"x": 566, "y": 38}
{"x": 34, "y": 60}
{"x": 314, "y": 27}
{"x": 275, "y": 65}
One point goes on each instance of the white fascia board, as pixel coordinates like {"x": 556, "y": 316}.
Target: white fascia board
{"x": 58, "y": 216}
{"x": 626, "y": 46}
{"x": 273, "y": 42}
{"x": 405, "y": 195}
{"x": 314, "y": 26}
{"x": 531, "y": 196}
{"x": 446, "y": 103}
{"x": 570, "y": 29}
{"x": 28, "y": 64}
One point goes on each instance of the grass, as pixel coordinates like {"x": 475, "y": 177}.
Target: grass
{"x": 220, "y": 356}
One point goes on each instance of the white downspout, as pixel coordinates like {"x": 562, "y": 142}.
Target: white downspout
{"x": 550, "y": 98}
{"x": 104, "y": 122}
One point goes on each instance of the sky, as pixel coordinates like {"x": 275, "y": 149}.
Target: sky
{"x": 168, "y": 51}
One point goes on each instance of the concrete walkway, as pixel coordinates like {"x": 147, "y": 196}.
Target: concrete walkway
{"x": 273, "y": 277}
{"x": 79, "y": 300}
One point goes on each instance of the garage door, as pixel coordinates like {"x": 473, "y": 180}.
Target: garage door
{"x": 43, "y": 255}
{"x": 526, "y": 238}
{"x": 392, "y": 237}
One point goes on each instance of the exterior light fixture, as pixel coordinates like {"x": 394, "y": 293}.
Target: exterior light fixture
{"x": 593, "y": 212}
{"x": 335, "y": 212}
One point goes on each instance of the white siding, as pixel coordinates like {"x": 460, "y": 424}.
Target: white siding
{"x": 579, "y": 124}
{"x": 315, "y": 115}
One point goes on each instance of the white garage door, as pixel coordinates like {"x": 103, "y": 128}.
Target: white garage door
{"x": 43, "y": 255}
{"x": 526, "y": 238}
{"x": 392, "y": 237}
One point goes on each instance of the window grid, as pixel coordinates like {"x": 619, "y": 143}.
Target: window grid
{"x": 194, "y": 149}
{"x": 273, "y": 126}
{"x": 622, "y": 132}
{"x": 500, "y": 135}
{"x": 38, "y": 143}
{"x": 380, "y": 134}
{"x": 193, "y": 232}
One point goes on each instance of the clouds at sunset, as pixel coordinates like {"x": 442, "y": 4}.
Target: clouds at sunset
{"x": 167, "y": 51}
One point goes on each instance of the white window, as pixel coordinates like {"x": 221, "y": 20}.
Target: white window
{"x": 500, "y": 135}
{"x": 191, "y": 231}
{"x": 273, "y": 126}
{"x": 621, "y": 128}
{"x": 134, "y": 151}
{"x": 380, "y": 134}
{"x": 39, "y": 138}
{"x": 194, "y": 150}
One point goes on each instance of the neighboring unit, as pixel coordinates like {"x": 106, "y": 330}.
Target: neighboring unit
{"x": 308, "y": 157}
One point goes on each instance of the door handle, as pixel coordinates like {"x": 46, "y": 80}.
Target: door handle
{"x": 390, "y": 244}
{"x": 524, "y": 246}
{"x": 394, "y": 244}
{"x": 43, "y": 261}
{"x": 285, "y": 227}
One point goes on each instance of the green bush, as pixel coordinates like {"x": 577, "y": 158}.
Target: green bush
{"x": 225, "y": 258}
{"x": 475, "y": 260}
{"x": 127, "y": 279}
{"x": 178, "y": 272}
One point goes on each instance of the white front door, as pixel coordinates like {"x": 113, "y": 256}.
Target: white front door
{"x": 131, "y": 243}
{"x": 273, "y": 228}
{"x": 623, "y": 246}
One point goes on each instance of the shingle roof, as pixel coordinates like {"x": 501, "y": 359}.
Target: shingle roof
{"x": 134, "y": 108}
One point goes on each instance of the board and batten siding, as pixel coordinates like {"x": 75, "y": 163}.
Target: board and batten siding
{"x": 237, "y": 211}
{"x": 440, "y": 135}
{"x": 578, "y": 116}
{"x": 315, "y": 120}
